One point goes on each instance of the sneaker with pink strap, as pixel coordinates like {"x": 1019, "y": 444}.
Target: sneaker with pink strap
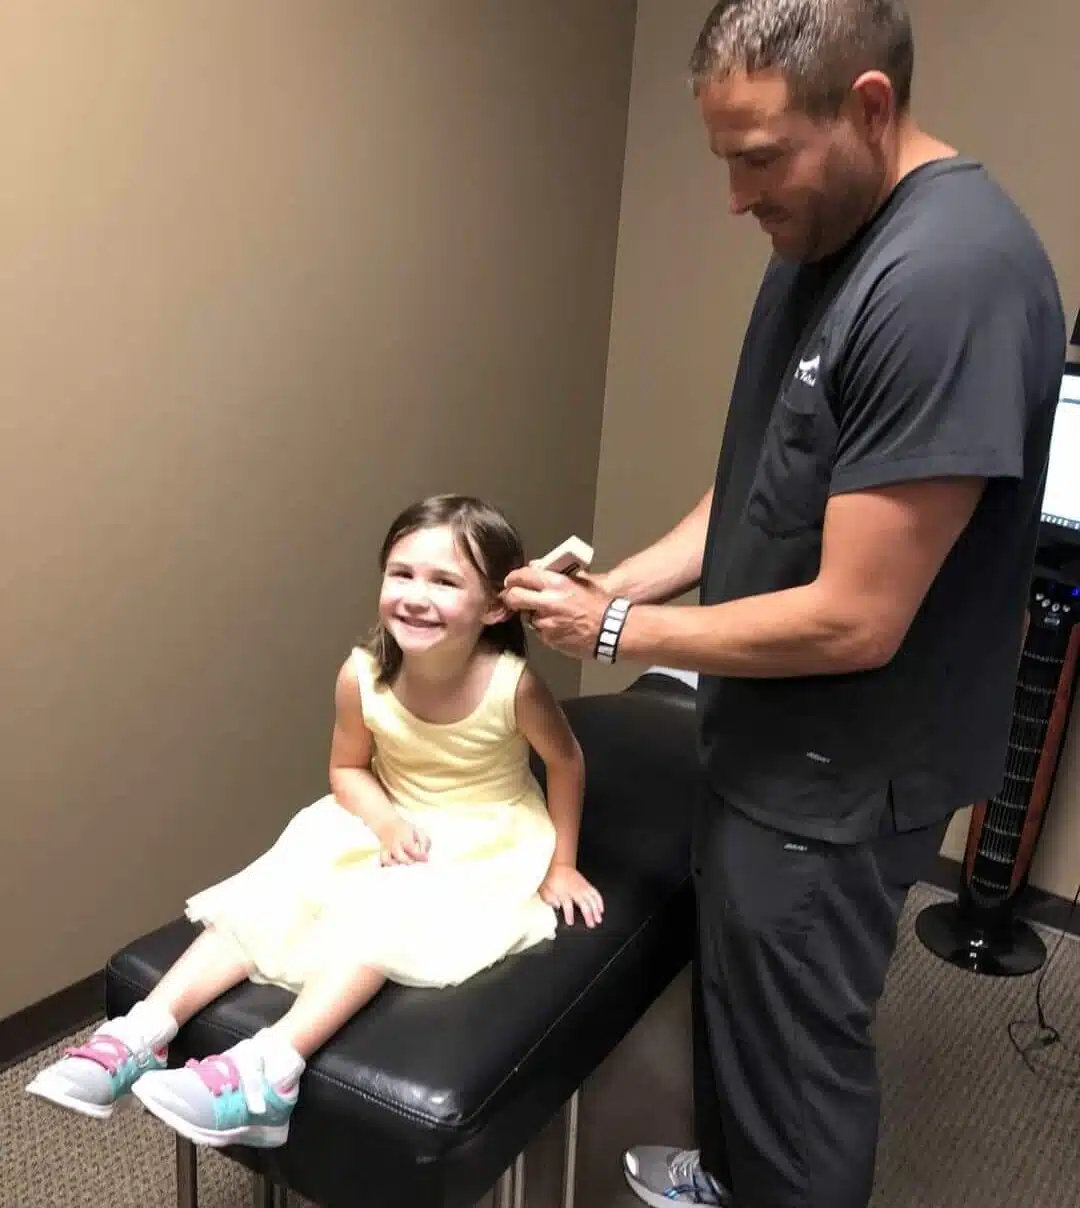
{"x": 222, "y": 1100}
{"x": 95, "y": 1077}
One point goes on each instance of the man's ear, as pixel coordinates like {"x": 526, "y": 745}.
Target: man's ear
{"x": 872, "y": 105}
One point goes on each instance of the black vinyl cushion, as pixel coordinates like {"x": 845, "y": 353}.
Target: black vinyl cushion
{"x": 426, "y": 1096}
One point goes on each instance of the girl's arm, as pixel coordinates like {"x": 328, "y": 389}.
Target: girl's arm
{"x": 352, "y": 781}
{"x": 543, "y": 723}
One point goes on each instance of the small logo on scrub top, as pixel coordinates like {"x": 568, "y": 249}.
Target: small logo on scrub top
{"x": 808, "y": 370}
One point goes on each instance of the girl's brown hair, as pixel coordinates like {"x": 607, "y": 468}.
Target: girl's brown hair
{"x": 486, "y": 538}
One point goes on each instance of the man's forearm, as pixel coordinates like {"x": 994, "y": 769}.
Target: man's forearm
{"x": 668, "y": 567}
{"x": 797, "y": 632}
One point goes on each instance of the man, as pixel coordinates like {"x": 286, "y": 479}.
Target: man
{"x": 864, "y": 560}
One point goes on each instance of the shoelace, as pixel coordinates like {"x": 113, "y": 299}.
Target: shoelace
{"x": 685, "y": 1171}
{"x": 220, "y": 1074}
{"x": 684, "y": 1166}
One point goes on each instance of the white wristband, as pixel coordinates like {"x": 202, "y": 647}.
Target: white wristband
{"x": 607, "y": 643}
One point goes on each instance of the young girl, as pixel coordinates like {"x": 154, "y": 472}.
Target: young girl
{"x": 433, "y": 857}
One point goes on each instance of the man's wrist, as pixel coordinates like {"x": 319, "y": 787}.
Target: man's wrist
{"x": 611, "y": 627}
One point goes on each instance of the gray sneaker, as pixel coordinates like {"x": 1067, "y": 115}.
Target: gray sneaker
{"x": 661, "y": 1176}
{"x": 96, "y": 1078}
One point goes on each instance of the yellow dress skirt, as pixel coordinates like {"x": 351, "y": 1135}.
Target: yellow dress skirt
{"x": 319, "y": 898}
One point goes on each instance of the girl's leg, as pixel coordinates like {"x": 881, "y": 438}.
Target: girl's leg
{"x": 92, "y": 1078}
{"x": 207, "y": 968}
{"x": 326, "y": 1003}
{"x": 246, "y": 1095}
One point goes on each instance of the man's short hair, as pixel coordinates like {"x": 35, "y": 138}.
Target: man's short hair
{"x": 820, "y": 46}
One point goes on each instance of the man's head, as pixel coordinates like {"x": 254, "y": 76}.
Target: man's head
{"x": 803, "y": 100}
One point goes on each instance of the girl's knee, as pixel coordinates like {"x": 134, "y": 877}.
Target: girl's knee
{"x": 343, "y": 970}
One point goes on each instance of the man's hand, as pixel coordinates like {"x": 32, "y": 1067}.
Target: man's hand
{"x": 403, "y": 843}
{"x": 566, "y": 611}
{"x": 564, "y": 887}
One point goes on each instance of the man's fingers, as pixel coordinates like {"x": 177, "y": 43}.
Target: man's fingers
{"x": 531, "y": 578}
{"x": 535, "y": 578}
{"x": 528, "y": 584}
{"x": 523, "y": 599}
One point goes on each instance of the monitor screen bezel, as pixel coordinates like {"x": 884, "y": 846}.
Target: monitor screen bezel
{"x": 1056, "y": 534}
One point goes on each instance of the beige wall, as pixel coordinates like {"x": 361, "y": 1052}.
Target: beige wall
{"x": 269, "y": 271}
{"x": 997, "y": 79}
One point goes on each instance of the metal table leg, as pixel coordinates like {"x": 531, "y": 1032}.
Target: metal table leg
{"x": 268, "y": 1194}
{"x": 570, "y": 1144}
{"x": 187, "y": 1174}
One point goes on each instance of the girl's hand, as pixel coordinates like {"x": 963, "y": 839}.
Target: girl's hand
{"x": 404, "y": 843}
{"x": 564, "y": 887}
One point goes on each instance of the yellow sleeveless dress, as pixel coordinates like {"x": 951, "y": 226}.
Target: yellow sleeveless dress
{"x": 319, "y": 896}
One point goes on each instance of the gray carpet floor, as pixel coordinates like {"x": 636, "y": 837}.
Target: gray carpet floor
{"x": 965, "y": 1119}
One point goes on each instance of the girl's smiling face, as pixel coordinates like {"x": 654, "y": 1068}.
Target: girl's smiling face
{"x": 432, "y": 595}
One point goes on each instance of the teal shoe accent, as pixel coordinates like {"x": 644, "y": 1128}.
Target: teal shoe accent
{"x": 94, "y": 1078}
{"x": 218, "y": 1102}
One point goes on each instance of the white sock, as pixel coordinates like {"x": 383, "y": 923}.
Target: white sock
{"x": 146, "y": 1025}
{"x": 282, "y": 1063}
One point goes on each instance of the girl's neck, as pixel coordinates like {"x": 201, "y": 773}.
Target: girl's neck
{"x": 445, "y": 686}
{"x": 440, "y": 670}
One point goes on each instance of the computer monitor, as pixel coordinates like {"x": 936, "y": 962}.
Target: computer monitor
{"x": 1061, "y": 499}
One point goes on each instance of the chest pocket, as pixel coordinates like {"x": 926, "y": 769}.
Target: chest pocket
{"x": 791, "y": 486}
